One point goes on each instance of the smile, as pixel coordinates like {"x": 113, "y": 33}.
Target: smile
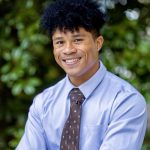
{"x": 71, "y": 61}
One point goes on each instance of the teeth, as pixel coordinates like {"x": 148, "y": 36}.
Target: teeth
{"x": 71, "y": 61}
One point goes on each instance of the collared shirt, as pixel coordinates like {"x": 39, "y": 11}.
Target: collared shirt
{"x": 114, "y": 115}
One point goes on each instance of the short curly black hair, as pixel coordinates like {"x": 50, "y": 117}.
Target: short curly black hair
{"x": 72, "y": 14}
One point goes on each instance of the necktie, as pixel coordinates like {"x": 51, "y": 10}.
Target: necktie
{"x": 70, "y": 136}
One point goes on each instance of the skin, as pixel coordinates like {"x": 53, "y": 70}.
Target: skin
{"x": 77, "y": 53}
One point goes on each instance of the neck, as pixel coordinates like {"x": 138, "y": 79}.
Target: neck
{"x": 78, "y": 80}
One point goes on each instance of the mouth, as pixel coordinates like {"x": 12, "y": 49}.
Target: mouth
{"x": 71, "y": 61}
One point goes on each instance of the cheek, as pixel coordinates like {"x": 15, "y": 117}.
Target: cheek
{"x": 56, "y": 56}
{"x": 92, "y": 55}
{"x": 56, "y": 53}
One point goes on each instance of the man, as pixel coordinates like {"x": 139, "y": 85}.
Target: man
{"x": 111, "y": 113}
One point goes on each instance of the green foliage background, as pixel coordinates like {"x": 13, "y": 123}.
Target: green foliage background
{"x": 27, "y": 65}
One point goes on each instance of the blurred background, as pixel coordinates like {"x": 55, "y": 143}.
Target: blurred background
{"x": 27, "y": 65}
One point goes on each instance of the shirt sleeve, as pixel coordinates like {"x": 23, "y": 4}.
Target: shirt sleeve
{"x": 127, "y": 124}
{"x": 33, "y": 137}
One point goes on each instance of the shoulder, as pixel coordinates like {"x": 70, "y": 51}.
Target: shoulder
{"x": 41, "y": 100}
{"x": 126, "y": 96}
{"x": 120, "y": 85}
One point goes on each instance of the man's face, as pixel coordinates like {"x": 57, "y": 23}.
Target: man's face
{"x": 77, "y": 53}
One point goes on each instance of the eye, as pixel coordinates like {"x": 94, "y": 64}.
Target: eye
{"x": 79, "y": 40}
{"x": 59, "y": 42}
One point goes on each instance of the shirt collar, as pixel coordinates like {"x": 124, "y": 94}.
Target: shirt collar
{"x": 68, "y": 85}
{"x": 90, "y": 85}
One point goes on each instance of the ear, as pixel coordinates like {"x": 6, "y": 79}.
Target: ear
{"x": 99, "y": 42}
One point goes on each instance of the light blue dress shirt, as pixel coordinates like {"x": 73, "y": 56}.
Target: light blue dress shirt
{"x": 114, "y": 115}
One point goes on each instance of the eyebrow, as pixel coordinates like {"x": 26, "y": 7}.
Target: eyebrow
{"x": 76, "y": 35}
{"x": 57, "y": 38}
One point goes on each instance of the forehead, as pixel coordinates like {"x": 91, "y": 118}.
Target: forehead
{"x": 66, "y": 32}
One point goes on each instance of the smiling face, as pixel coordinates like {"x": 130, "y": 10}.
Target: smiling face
{"x": 77, "y": 53}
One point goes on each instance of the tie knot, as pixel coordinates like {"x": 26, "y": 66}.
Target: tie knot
{"x": 77, "y": 96}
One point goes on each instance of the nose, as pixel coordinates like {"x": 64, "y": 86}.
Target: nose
{"x": 69, "y": 49}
